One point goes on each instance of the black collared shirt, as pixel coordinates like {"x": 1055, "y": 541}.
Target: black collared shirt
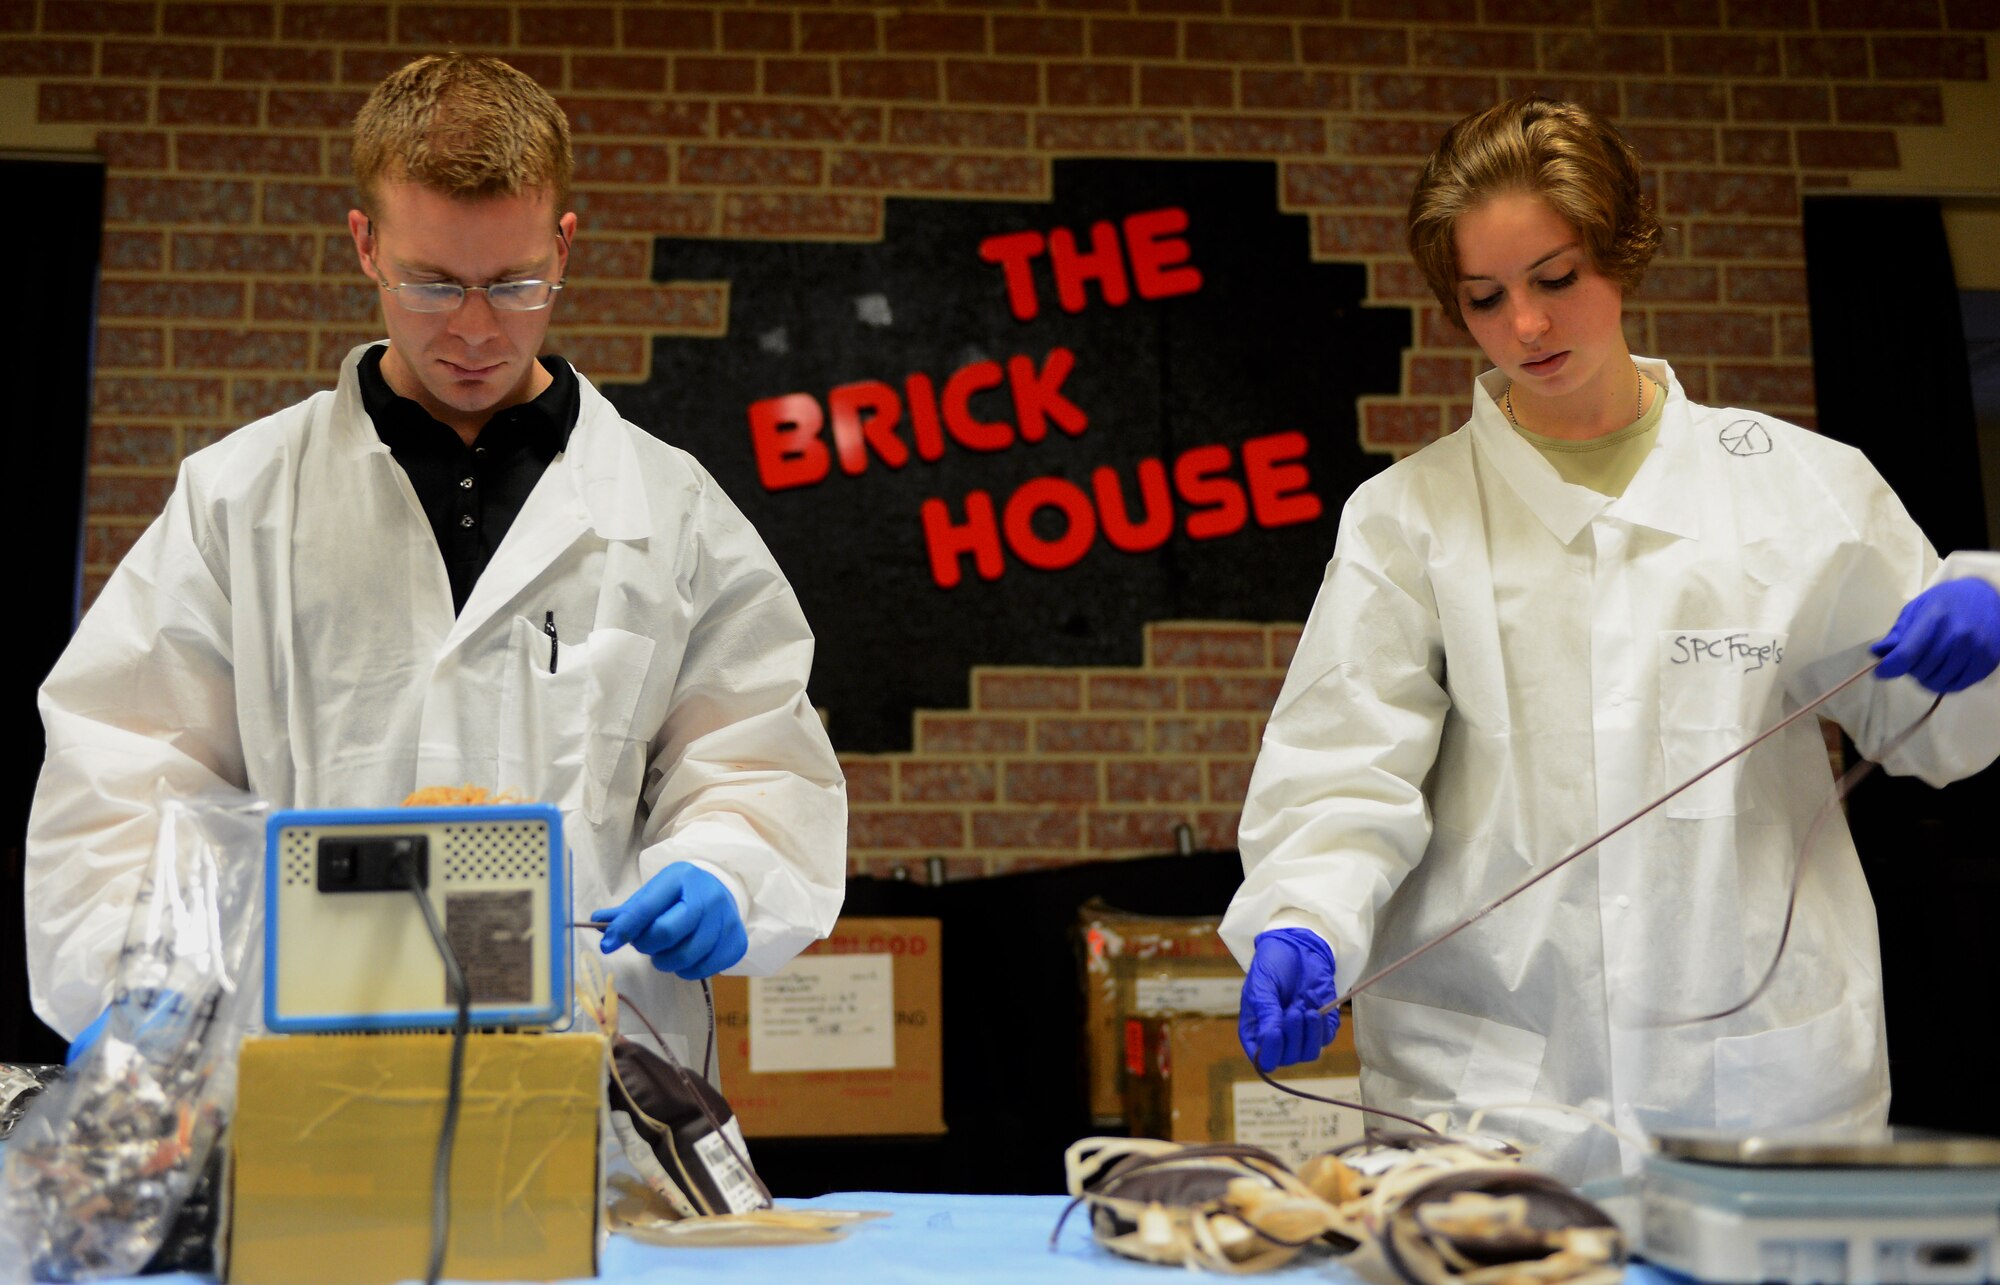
{"x": 472, "y": 494}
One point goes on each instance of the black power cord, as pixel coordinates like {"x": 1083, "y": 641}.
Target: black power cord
{"x": 441, "y": 1169}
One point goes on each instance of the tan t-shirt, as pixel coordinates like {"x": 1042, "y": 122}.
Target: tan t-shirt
{"x": 1605, "y": 464}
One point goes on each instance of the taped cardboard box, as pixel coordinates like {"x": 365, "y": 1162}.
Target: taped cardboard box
{"x": 1135, "y": 964}
{"x": 1188, "y": 1081}
{"x": 844, "y": 1041}
{"x": 332, "y": 1148}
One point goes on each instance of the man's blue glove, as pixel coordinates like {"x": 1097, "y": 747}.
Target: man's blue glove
{"x": 1947, "y": 638}
{"x": 684, "y": 918}
{"x": 1291, "y": 976}
{"x": 81, "y": 1044}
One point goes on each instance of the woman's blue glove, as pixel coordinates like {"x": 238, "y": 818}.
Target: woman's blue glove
{"x": 684, "y": 918}
{"x": 1291, "y": 976}
{"x": 1947, "y": 638}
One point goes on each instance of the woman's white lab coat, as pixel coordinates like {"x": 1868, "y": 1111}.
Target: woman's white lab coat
{"x": 286, "y": 627}
{"x": 1501, "y": 665}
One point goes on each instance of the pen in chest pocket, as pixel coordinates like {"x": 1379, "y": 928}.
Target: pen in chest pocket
{"x": 549, "y": 628}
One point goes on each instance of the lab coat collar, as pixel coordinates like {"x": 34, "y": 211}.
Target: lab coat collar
{"x": 1661, "y": 496}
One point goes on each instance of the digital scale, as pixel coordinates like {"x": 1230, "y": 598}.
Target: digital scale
{"x": 1893, "y": 1207}
{"x": 345, "y": 942}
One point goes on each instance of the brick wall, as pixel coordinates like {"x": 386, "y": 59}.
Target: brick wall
{"x": 230, "y": 288}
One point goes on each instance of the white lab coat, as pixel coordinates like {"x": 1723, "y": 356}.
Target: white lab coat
{"x": 1499, "y": 666}
{"x": 286, "y": 628}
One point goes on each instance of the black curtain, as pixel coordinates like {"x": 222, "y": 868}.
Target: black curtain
{"x": 55, "y": 226}
{"x": 1891, "y": 374}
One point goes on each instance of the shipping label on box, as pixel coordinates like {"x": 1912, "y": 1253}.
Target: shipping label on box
{"x": 846, "y": 1040}
{"x": 1189, "y": 1081}
{"x": 1144, "y": 964}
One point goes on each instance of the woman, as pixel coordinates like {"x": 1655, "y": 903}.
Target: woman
{"x": 1539, "y": 624}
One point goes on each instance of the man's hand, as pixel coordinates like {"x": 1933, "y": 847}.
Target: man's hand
{"x": 1947, "y": 638}
{"x": 1291, "y": 976}
{"x": 684, "y": 919}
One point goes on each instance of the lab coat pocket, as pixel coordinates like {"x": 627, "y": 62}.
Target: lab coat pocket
{"x": 619, "y": 662}
{"x": 1821, "y": 1073}
{"x": 1715, "y": 688}
{"x": 1438, "y": 1058}
{"x": 567, "y": 713}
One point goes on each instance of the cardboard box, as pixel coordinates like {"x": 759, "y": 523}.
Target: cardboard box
{"x": 1189, "y": 1081}
{"x": 332, "y": 1149}
{"x": 1136, "y": 964}
{"x": 844, "y": 1041}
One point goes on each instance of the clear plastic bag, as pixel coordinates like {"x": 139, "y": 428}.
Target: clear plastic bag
{"x": 101, "y": 1164}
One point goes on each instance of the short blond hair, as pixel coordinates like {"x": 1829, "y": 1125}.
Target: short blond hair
{"x": 462, "y": 125}
{"x": 1562, "y": 152}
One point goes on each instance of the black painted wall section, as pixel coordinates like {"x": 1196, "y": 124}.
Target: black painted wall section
{"x": 1270, "y": 343}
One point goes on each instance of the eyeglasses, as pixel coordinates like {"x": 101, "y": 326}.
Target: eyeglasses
{"x": 448, "y": 296}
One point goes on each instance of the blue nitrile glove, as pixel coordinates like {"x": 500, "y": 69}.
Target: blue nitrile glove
{"x": 684, "y": 918}
{"x": 1947, "y": 638}
{"x": 1291, "y": 976}
{"x": 81, "y": 1044}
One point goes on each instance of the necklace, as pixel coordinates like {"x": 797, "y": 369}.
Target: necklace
{"x": 1638, "y": 400}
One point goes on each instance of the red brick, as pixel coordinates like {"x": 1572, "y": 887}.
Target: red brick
{"x": 1747, "y": 241}
{"x": 449, "y": 26}
{"x": 98, "y": 16}
{"x": 693, "y": 75}
{"x": 1672, "y": 144}
{"x": 692, "y": 29}
{"x": 1038, "y": 36}
{"x": 872, "y": 828}
{"x": 1185, "y": 87}
{"x": 1451, "y": 95}
{"x": 1972, "y": 15}
{"x": 176, "y": 200}
{"x": 933, "y": 33}
{"x": 1132, "y": 691}
{"x": 682, "y": 309}
{"x": 236, "y": 21}
{"x": 750, "y": 166}
{"x": 1311, "y": 184}
{"x": 320, "y": 204}
{"x": 1315, "y": 91}
{"x": 1844, "y": 56}
{"x": 1716, "y": 192}
{"x": 1676, "y": 100}
{"x": 354, "y": 23}
{"x": 933, "y": 127}
{"x": 1026, "y": 829}
{"x": 1487, "y": 50}
{"x": 1725, "y": 55}
{"x": 1679, "y": 283}
{"x": 948, "y": 782}
{"x": 1623, "y": 54}
{"x": 1387, "y": 427}
{"x": 1881, "y": 15}
{"x": 45, "y": 57}
{"x": 1202, "y": 736}
{"x": 1794, "y": 335}
{"x": 799, "y": 121}
{"x": 1133, "y": 38}
{"x": 1713, "y": 334}
{"x": 1767, "y": 285}
{"x": 1135, "y": 831}
{"x": 1439, "y": 376}
{"x": 623, "y": 162}
{"x": 1930, "y": 57}
{"x": 154, "y": 396}
{"x": 657, "y": 213}
{"x": 839, "y": 33}
{"x": 1396, "y": 279}
{"x": 901, "y": 79}
{"x": 1354, "y": 46}
{"x": 237, "y": 349}
{"x": 322, "y": 302}
{"x": 133, "y": 445}
{"x": 128, "y": 497}
{"x": 1848, "y": 149}
{"x": 1465, "y": 11}
{"x": 798, "y": 77}
{"x": 644, "y": 117}
{"x": 133, "y": 251}
{"x": 1215, "y": 691}
{"x": 332, "y": 346}
{"x": 308, "y": 108}
{"x": 1215, "y": 830}
{"x": 1239, "y": 42}
{"x": 132, "y": 149}
{"x": 933, "y": 869}
{"x": 1259, "y": 135}
{"x": 120, "y": 103}
{"x": 178, "y": 106}
{"x": 1787, "y": 15}
{"x": 1090, "y": 735}
{"x": 920, "y": 172}
{"x": 1764, "y": 385}
{"x": 125, "y": 346}
{"x": 276, "y": 63}
{"x": 1780, "y": 102}
{"x": 752, "y": 32}
{"x": 1767, "y": 147}
{"x": 1901, "y": 105}
{"x": 1055, "y": 132}
{"x": 246, "y": 153}
{"x": 1026, "y": 691}
{"x": 1153, "y": 781}
{"x": 943, "y": 733}
{"x": 1542, "y": 13}
{"x": 242, "y": 252}
{"x": 631, "y": 73}
{"x": 1376, "y": 137}
{"x": 1205, "y": 646}
{"x": 1284, "y": 643}
{"x": 567, "y": 26}
{"x": 156, "y": 60}
{"x": 1286, "y": 8}
{"x": 789, "y": 215}
{"x": 602, "y": 357}
{"x": 1053, "y": 781}
{"x": 1017, "y": 83}
{"x": 1229, "y": 780}
{"x": 1661, "y": 13}
{"x": 869, "y": 780}
{"x": 1599, "y": 95}
{"x": 1086, "y": 85}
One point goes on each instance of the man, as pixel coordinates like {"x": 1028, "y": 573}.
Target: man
{"x": 460, "y": 565}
